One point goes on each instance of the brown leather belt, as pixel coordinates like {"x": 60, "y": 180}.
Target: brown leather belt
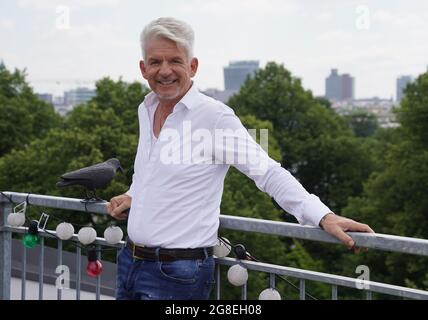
{"x": 163, "y": 255}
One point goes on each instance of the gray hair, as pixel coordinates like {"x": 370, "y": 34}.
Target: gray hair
{"x": 172, "y": 29}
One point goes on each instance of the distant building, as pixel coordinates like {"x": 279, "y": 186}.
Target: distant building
{"x": 221, "y": 95}
{"x": 237, "y": 72}
{"x": 77, "y": 96}
{"x": 381, "y": 108}
{"x": 45, "y": 97}
{"x": 339, "y": 87}
{"x": 402, "y": 83}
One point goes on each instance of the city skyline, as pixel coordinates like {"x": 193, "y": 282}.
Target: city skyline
{"x": 375, "y": 43}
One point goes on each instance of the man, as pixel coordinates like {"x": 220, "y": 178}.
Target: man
{"x": 176, "y": 190}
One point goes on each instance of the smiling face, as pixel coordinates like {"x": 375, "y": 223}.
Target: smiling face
{"x": 167, "y": 69}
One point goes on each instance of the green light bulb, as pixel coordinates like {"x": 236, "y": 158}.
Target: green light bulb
{"x": 31, "y": 239}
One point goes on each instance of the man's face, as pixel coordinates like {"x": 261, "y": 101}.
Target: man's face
{"x": 168, "y": 69}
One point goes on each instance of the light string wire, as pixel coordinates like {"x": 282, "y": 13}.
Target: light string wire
{"x": 85, "y": 248}
{"x": 251, "y": 257}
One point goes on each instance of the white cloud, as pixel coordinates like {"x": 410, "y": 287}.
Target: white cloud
{"x": 400, "y": 20}
{"x": 7, "y": 24}
{"x": 324, "y": 16}
{"x": 50, "y": 4}
{"x": 241, "y": 7}
{"x": 335, "y": 36}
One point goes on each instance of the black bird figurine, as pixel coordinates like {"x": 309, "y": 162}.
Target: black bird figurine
{"x": 92, "y": 177}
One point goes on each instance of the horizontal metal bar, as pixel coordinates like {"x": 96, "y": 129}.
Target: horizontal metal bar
{"x": 98, "y": 240}
{"x": 369, "y": 240}
{"x": 328, "y": 278}
{"x": 376, "y": 241}
{"x": 56, "y": 202}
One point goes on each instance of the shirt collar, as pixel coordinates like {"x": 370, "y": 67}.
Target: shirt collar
{"x": 189, "y": 100}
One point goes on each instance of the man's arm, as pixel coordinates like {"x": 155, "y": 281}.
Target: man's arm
{"x": 271, "y": 178}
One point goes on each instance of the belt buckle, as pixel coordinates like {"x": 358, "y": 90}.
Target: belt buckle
{"x": 133, "y": 252}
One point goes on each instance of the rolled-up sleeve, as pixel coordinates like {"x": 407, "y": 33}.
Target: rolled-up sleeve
{"x": 239, "y": 149}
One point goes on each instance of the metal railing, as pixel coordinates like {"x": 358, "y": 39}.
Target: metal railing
{"x": 376, "y": 241}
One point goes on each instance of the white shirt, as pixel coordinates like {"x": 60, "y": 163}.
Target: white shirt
{"x": 176, "y": 188}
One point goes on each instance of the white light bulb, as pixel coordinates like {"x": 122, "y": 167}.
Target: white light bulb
{"x": 269, "y": 294}
{"x": 237, "y": 275}
{"x": 64, "y": 231}
{"x": 222, "y": 249}
{"x": 16, "y": 219}
{"x": 87, "y": 235}
{"x": 113, "y": 234}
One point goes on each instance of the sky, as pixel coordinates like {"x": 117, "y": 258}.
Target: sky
{"x": 65, "y": 44}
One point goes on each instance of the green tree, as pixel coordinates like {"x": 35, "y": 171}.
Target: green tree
{"x": 394, "y": 199}
{"x": 241, "y": 197}
{"x": 93, "y": 132}
{"x": 315, "y": 143}
{"x": 362, "y": 123}
{"x": 23, "y": 116}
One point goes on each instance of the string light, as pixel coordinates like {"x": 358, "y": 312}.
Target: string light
{"x": 65, "y": 231}
{"x": 239, "y": 249}
{"x": 16, "y": 219}
{"x": 31, "y": 239}
{"x": 94, "y": 267}
{"x": 269, "y": 294}
{"x": 113, "y": 234}
{"x": 237, "y": 275}
{"x": 222, "y": 248}
{"x": 87, "y": 235}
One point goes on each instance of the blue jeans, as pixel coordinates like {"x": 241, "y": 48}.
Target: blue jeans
{"x": 154, "y": 280}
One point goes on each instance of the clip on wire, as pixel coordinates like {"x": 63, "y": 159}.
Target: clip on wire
{"x": 43, "y": 221}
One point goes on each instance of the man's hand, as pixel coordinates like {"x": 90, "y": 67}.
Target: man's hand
{"x": 337, "y": 225}
{"x": 118, "y": 206}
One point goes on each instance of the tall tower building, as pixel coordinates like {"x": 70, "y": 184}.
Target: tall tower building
{"x": 77, "y": 96}
{"x": 402, "y": 83}
{"x": 339, "y": 87}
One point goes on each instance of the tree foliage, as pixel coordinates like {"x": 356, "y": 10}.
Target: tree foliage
{"x": 394, "y": 198}
{"x": 316, "y": 144}
{"x": 379, "y": 177}
{"x": 23, "y": 116}
{"x": 362, "y": 123}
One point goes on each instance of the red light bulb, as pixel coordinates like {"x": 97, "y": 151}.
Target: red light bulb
{"x": 94, "y": 267}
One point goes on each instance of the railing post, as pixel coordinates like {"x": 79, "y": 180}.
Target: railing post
{"x": 5, "y": 252}
{"x": 302, "y": 290}
{"x": 217, "y": 281}
{"x": 59, "y": 261}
